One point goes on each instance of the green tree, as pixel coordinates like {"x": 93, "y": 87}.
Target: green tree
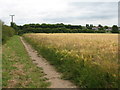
{"x": 100, "y": 27}
{"x": 115, "y": 29}
{"x": 87, "y": 26}
{"x": 13, "y": 25}
{"x": 106, "y": 27}
{"x": 91, "y": 26}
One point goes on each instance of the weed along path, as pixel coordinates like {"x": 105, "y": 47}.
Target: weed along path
{"x": 53, "y": 76}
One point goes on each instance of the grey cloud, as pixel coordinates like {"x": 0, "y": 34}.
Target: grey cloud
{"x": 100, "y": 11}
{"x": 93, "y": 11}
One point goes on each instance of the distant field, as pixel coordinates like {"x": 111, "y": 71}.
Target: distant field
{"x": 89, "y": 60}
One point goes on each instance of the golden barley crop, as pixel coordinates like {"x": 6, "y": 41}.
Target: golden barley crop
{"x": 98, "y": 49}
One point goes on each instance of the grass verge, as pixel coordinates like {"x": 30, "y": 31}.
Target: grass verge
{"x": 18, "y": 69}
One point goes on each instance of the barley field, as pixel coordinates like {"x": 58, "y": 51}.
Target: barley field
{"x": 88, "y": 60}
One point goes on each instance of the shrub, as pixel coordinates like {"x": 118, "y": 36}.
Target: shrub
{"x": 7, "y": 32}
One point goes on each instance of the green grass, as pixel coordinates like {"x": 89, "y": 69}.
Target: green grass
{"x": 18, "y": 69}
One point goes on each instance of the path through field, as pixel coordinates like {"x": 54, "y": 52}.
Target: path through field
{"x": 49, "y": 70}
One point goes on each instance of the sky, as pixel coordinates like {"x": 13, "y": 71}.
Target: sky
{"x": 76, "y": 12}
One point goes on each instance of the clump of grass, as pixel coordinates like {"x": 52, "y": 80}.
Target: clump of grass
{"x": 89, "y": 60}
{"x": 18, "y": 69}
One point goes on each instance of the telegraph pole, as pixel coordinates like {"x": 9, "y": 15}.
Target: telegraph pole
{"x": 12, "y": 17}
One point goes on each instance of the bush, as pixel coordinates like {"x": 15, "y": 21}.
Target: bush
{"x": 7, "y": 32}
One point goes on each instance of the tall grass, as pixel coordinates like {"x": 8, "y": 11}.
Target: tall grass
{"x": 89, "y": 60}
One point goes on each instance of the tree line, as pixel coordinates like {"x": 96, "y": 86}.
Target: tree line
{"x": 62, "y": 28}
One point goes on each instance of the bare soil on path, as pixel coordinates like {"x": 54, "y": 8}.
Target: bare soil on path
{"x": 53, "y": 76}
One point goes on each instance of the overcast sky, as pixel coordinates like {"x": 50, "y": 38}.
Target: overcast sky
{"x": 78, "y": 12}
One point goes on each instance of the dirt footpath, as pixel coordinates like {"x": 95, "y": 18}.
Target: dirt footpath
{"x": 49, "y": 70}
